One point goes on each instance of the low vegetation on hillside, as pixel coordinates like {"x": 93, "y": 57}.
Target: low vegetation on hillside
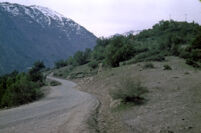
{"x": 20, "y": 88}
{"x": 172, "y": 104}
{"x": 167, "y": 38}
{"x": 129, "y": 91}
{"x": 54, "y": 83}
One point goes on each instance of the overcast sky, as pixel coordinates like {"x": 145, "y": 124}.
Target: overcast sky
{"x": 107, "y": 17}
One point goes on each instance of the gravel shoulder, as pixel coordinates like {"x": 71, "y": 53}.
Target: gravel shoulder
{"x": 64, "y": 109}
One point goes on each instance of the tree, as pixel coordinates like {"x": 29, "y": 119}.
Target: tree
{"x": 60, "y": 63}
{"x": 119, "y": 49}
{"x": 38, "y": 66}
{"x": 79, "y": 58}
{"x": 194, "y": 57}
{"x": 196, "y": 44}
{"x": 35, "y": 72}
{"x": 87, "y": 54}
{"x": 70, "y": 61}
{"x": 196, "y": 48}
{"x": 98, "y": 53}
{"x": 82, "y": 58}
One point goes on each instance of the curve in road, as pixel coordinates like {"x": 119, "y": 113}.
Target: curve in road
{"x": 64, "y": 109}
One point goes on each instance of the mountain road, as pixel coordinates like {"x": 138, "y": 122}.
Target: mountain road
{"x": 64, "y": 109}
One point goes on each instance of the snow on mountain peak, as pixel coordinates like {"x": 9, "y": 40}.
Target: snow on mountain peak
{"x": 41, "y": 15}
{"x": 14, "y": 9}
{"x": 10, "y": 8}
{"x": 50, "y": 13}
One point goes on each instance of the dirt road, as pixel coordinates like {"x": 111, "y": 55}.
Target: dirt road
{"x": 64, "y": 109}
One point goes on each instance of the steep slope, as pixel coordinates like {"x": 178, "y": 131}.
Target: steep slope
{"x": 31, "y": 33}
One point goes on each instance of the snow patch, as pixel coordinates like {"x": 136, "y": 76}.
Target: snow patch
{"x": 50, "y": 13}
{"x": 41, "y": 15}
{"x": 28, "y": 12}
{"x": 10, "y": 8}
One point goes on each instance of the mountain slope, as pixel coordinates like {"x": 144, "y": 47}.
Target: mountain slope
{"x": 31, "y": 33}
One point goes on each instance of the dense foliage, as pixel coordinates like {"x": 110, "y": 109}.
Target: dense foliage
{"x": 194, "y": 52}
{"x": 79, "y": 58}
{"x": 119, "y": 49}
{"x": 164, "y": 39}
{"x": 20, "y": 88}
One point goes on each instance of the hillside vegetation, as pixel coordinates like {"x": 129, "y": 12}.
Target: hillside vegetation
{"x": 167, "y": 38}
{"x": 20, "y": 88}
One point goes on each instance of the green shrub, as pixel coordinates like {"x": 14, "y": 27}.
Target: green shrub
{"x": 81, "y": 58}
{"x": 60, "y": 63}
{"x": 166, "y": 67}
{"x": 184, "y": 54}
{"x": 152, "y": 55}
{"x": 20, "y": 92}
{"x": 58, "y": 74}
{"x": 20, "y": 88}
{"x": 77, "y": 75}
{"x": 129, "y": 91}
{"x": 35, "y": 73}
{"x": 54, "y": 83}
{"x": 148, "y": 65}
{"x": 194, "y": 52}
{"x": 192, "y": 63}
{"x": 93, "y": 64}
{"x": 156, "y": 58}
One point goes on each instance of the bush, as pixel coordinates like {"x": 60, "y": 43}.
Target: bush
{"x": 93, "y": 64}
{"x": 192, "y": 63}
{"x": 156, "y": 58}
{"x": 20, "y": 92}
{"x": 60, "y": 63}
{"x": 194, "y": 52}
{"x": 148, "y": 65}
{"x": 184, "y": 54}
{"x": 167, "y": 67}
{"x": 54, "y": 83}
{"x": 35, "y": 73}
{"x": 20, "y": 88}
{"x": 152, "y": 55}
{"x": 81, "y": 58}
{"x": 129, "y": 91}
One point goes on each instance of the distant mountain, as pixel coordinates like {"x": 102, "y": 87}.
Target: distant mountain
{"x": 132, "y": 32}
{"x": 31, "y": 33}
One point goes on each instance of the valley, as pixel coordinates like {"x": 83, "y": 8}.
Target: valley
{"x": 56, "y": 76}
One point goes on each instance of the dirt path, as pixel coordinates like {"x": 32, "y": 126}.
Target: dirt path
{"x": 64, "y": 109}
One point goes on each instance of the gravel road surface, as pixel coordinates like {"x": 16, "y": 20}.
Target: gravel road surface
{"x": 63, "y": 110}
